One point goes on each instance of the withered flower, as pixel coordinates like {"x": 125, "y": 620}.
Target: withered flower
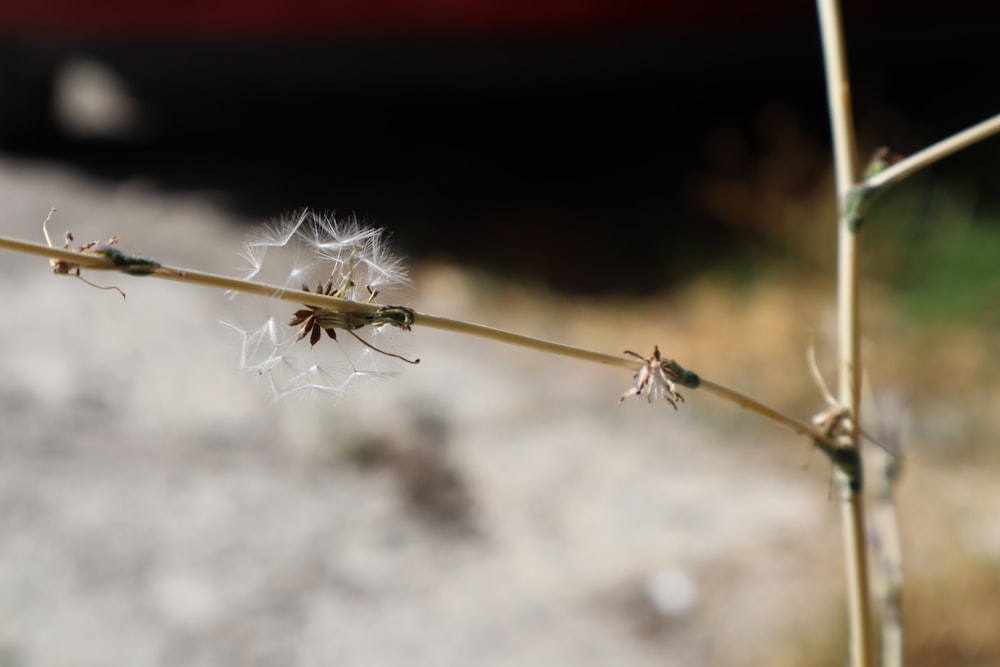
{"x": 654, "y": 379}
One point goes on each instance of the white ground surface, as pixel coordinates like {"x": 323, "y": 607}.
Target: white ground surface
{"x": 491, "y": 506}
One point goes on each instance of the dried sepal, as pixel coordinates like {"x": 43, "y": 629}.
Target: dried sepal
{"x": 309, "y": 316}
{"x": 62, "y": 267}
{"x": 315, "y": 319}
{"x": 654, "y": 379}
{"x": 120, "y": 261}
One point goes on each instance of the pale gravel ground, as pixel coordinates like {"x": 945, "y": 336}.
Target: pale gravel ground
{"x": 156, "y": 508}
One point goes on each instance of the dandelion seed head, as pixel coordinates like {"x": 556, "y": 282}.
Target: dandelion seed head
{"x": 313, "y": 250}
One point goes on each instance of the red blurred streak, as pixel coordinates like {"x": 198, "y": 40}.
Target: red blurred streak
{"x": 125, "y": 18}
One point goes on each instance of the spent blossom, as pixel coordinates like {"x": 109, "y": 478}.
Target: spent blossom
{"x": 335, "y": 257}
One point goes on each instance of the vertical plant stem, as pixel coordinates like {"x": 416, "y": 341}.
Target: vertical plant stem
{"x": 889, "y": 556}
{"x": 887, "y": 461}
{"x": 849, "y": 480}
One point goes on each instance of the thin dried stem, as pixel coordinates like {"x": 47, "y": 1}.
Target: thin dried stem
{"x": 98, "y": 262}
{"x": 817, "y": 376}
{"x": 887, "y": 463}
{"x": 889, "y": 553}
{"x": 759, "y": 408}
{"x": 849, "y": 478}
{"x": 458, "y": 326}
{"x": 101, "y": 263}
{"x": 931, "y": 154}
{"x": 862, "y": 195}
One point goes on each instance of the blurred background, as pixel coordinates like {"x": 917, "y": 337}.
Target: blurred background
{"x": 493, "y": 131}
{"x": 611, "y": 174}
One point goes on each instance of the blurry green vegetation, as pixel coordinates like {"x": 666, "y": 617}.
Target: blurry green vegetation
{"x": 939, "y": 252}
{"x": 932, "y": 240}
{"x": 935, "y": 245}
{"x": 954, "y": 274}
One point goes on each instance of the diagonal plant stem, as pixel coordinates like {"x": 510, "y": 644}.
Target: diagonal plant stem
{"x": 98, "y": 262}
{"x": 863, "y": 194}
{"x": 849, "y": 477}
{"x": 931, "y": 154}
{"x": 92, "y": 261}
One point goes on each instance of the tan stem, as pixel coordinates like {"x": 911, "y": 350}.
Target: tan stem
{"x": 931, "y": 154}
{"x": 99, "y": 262}
{"x": 849, "y": 330}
